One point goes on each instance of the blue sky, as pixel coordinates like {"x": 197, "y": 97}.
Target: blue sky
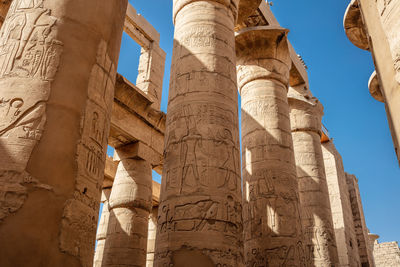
{"x": 338, "y": 74}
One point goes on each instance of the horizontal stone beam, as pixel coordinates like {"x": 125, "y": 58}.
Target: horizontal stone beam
{"x": 139, "y": 29}
{"x": 134, "y": 120}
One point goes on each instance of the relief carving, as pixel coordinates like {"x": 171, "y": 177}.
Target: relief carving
{"x": 29, "y": 59}
{"x": 91, "y": 153}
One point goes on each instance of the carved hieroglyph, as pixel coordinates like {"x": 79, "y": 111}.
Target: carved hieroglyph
{"x": 29, "y": 59}
{"x": 272, "y": 223}
{"x": 360, "y": 226}
{"x": 199, "y": 217}
{"x": 305, "y": 118}
{"x": 80, "y": 214}
{"x": 55, "y": 106}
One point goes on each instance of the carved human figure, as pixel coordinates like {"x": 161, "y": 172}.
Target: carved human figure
{"x": 201, "y": 217}
{"x": 48, "y": 153}
{"x": 305, "y": 118}
{"x": 272, "y": 222}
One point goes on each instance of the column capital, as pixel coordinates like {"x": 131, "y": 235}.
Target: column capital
{"x": 374, "y": 87}
{"x": 305, "y": 112}
{"x": 354, "y": 26}
{"x": 233, "y": 5}
{"x": 264, "y": 52}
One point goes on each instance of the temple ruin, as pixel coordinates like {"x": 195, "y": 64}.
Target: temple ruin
{"x": 279, "y": 196}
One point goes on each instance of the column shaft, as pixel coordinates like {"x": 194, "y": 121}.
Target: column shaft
{"x": 199, "y": 218}
{"x": 102, "y": 229}
{"x": 57, "y": 73}
{"x": 130, "y": 206}
{"x": 316, "y": 211}
{"x": 272, "y": 224}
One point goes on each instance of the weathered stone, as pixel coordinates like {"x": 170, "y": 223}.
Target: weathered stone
{"x": 57, "y": 78}
{"x": 199, "y": 217}
{"x": 102, "y": 229}
{"x": 305, "y": 118}
{"x": 387, "y": 254}
{"x": 272, "y": 224}
{"x": 4, "y": 6}
{"x": 374, "y": 87}
{"x": 374, "y": 24}
{"x": 342, "y": 215}
{"x": 360, "y": 226}
{"x": 129, "y": 207}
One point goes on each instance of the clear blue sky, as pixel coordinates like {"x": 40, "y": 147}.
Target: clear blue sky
{"x": 338, "y": 73}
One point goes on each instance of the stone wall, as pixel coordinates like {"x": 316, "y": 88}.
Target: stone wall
{"x": 387, "y": 254}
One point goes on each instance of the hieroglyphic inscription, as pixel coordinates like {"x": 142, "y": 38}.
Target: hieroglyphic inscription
{"x": 29, "y": 59}
{"x": 91, "y": 154}
{"x": 199, "y": 149}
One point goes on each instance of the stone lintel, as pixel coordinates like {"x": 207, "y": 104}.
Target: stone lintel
{"x": 354, "y": 26}
{"x": 264, "y": 49}
{"x": 374, "y": 87}
{"x": 246, "y": 8}
{"x": 138, "y": 150}
{"x": 298, "y": 71}
{"x": 139, "y": 29}
{"x": 134, "y": 119}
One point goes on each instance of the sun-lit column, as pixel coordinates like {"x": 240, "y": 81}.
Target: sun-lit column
{"x": 129, "y": 207}
{"x": 272, "y": 223}
{"x": 199, "y": 221}
{"x": 343, "y": 223}
{"x": 102, "y": 229}
{"x": 305, "y": 118}
{"x": 58, "y": 62}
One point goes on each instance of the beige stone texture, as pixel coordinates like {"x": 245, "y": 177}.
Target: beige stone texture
{"x": 57, "y": 74}
{"x": 387, "y": 254}
{"x": 359, "y": 221}
{"x": 272, "y": 224}
{"x": 129, "y": 208}
{"x": 151, "y": 238}
{"x": 305, "y": 118}
{"x": 263, "y": 16}
{"x": 373, "y": 25}
{"x": 4, "y": 6}
{"x": 199, "y": 217}
{"x": 346, "y": 240}
{"x": 134, "y": 119}
{"x": 374, "y": 87}
{"x": 372, "y": 239}
{"x": 102, "y": 228}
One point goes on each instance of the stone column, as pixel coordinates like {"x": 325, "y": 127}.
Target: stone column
{"x": 343, "y": 223}
{"x": 199, "y": 217}
{"x": 359, "y": 221}
{"x": 272, "y": 224}
{"x": 102, "y": 229}
{"x": 305, "y": 118}
{"x": 130, "y": 205}
{"x": 57, "y": 74}
{"x": 151, "y": 238}
{"x": 4, "y": 6}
